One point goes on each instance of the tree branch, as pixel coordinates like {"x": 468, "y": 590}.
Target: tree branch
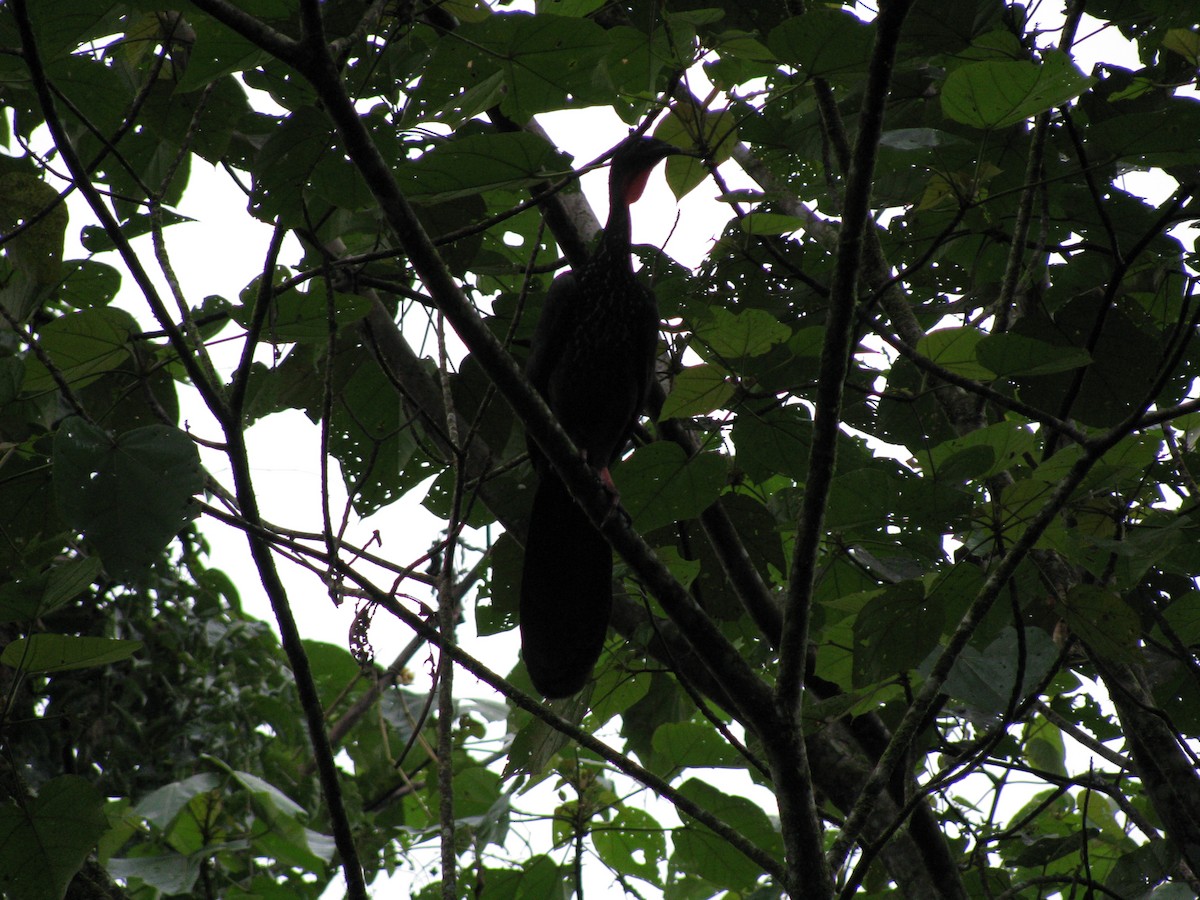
{"x": 797, "y": 805}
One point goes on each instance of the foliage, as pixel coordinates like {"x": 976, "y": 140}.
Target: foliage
{"x": 926, "y": 447}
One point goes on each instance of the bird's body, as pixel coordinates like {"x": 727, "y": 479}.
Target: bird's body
{"x": 592, "y": 358}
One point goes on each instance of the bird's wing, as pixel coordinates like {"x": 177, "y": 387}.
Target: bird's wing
{"x": 546, "y": 348}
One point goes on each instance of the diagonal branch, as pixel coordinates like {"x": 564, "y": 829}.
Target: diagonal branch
{"x": 915, "y": 716}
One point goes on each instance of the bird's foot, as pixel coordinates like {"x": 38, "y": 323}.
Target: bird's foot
{"x": 614, "y": 498}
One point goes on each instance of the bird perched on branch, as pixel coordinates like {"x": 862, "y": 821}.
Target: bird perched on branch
{"x": 592, "y": 358}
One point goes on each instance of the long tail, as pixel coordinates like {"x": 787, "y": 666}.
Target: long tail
{"x": 566, "y": 592}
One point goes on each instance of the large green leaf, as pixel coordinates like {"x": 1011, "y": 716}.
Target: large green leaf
{"x": 824, "y": 43}
{"x": 682, "y": 745}
{"x": 172, "y": 874}
{"x": 41, "y": 596}
{"x": 632, "y": 843}
{"x": 217, "y": 51}
{"x": 87, "y": 282}
{"x": 285, "y": 163}
{"x": 1162, "y": 137}
{"x": 129, "y": 493}
{"x": 64, "y": 652}
{"x": 1104, "y": 621}
{"x": 160, "y": 807}
{"x": 477, "y": 163}
{"x": 81, "y": 346}
{"x": 45, "y": 840}
{"x": 894, "y": 632}
{"x": 697, "y": 391}
{"x": 38, "y": 249}
{"x": 296, "y": 316}
{"x": 1000, "y": 93}
{"x": 660, "y": 485}
{"x": 984, "y": 679}
{"x": 1016, "y": 354}
{"x": 700, "y": 851}
{"x": 748, "y": 332}
{"x": 982, "y": 453}
{"x": 1125, "y": 360}
{"x": 526, "y": 63}
{"x": 956, "y": 349}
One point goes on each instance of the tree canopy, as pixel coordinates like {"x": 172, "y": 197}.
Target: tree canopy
{"x": 911, "y": 539}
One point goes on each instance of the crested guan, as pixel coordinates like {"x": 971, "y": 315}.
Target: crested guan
{"x": 592, "y": 358}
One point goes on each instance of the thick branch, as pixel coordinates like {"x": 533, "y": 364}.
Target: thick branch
{"x": 797, "y": 806}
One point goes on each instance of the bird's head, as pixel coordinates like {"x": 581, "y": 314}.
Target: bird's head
{"x": 633, "y": 162}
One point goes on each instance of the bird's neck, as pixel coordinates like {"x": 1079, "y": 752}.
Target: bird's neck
{"x": 614, "y": 245}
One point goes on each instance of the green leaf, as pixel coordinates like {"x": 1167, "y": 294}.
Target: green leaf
{"x": 955, "y": 349}
{"x": 129, "y": 494}
{"x": 774, "y": 442}
{"x": 24, "y": 599}
{"x": 63, "y": 652}
{"x": 614, "y": 692}
{"x": 1043, "y": 746}
{"x": 172, "y": 874}
{"x": 1164, "y": 136}
{"x": 1185, "y": 42}
{"x": 96, "y": 239}
{"x": 697, "y": 391}
{"x": 824, "y": 43}
{"x": 275, "y": 803}
{"x": 701, "y": 852}
{"x": 88, "y": 283}
{"x": 1104, "y": 621}
{"x": 67, "y": 581}
{"x": 44, "y": 841}
{"x": 528, "y": 63}
{"x": 906, "y": 139}
{"x": 217, "y": 51}
{"x": 1015, "y": 354}
{"x": 284, "y": 165}
{"x": 736, "y": 335}
{"x": 983, "y": 679}
{"x": 1139, "y": 871}
{"x": 1000, "y": 93}
{"x": 894, "y": 632}
{"x": 982, "y": 453}
{"x": 660, "y": 485}
{"x": 862, "y": 498}
{"x": 685, "y": 571}
{"x": 688, "y": 126}
{"x": 297, "y": 316}
{"x": 1125, "y": 359}
{"x": 771, "y": 223}
{"x": 681, "y": 745}
{"x": 160, "y": 807}
{"x": 477, "y": 163}
{"x": 61, "y": 29}
{"x": 632, "y": 843}
{"x": 37, "y": 251}
{"x": 81, "y": 346}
